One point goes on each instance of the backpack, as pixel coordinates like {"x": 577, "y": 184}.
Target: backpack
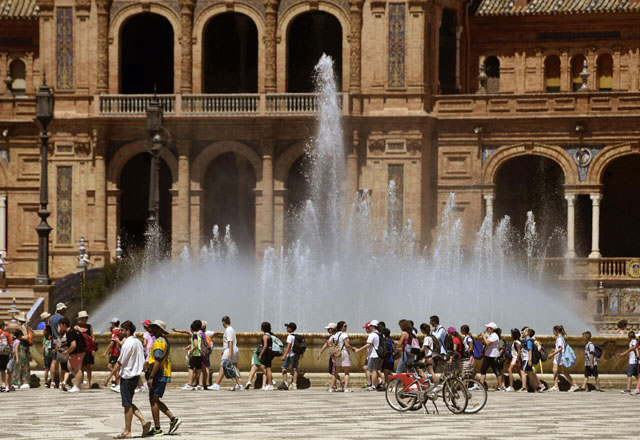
{"x": 5, "y": 348}
{"x": 448, "y": 342}
{"x": 568, "y": 356}
{"x": 436, "y": 344}
{"x": 89, "y": 344}
{"x": 299, "y": 344}
{"x": 507, "y": 354}
{"x": 334, "y": 349}
{"x": 228, "y": 369}
{"x": 413, "y": 345}
{"x": 597, "y": 351}
{"x": 205, "y": 348}
{"x": 277, "y": 347}
{"x": 383, "y": 351}
{"x": 478, "y": 350}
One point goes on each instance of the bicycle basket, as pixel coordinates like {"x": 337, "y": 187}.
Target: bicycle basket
{"x": 454, "y": 366}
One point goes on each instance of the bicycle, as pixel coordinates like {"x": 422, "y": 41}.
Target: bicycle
{"x": 407, "y": 391}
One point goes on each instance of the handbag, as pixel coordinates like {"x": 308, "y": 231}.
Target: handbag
{"x": 334, "y": 349}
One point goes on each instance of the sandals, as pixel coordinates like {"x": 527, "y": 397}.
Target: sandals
{"x": 122, "y": 435}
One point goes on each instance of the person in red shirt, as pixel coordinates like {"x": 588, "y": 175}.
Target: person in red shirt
{"x": 5, "y": 355}
{"x": 457, "y": 341}
{"x": 113, "y": 351}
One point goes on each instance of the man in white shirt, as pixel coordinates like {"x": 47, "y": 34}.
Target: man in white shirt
{"x": 439, "y": 332}
{"x": 290, "y": 359}
{"x": 130, "y": 365}
{"x": 491, "y": 354}
{"x": 230, "y": 353}
{"x": 374, "y": 363}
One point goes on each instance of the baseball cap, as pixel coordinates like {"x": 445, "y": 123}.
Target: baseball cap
{"x": 374, "y": 323}
{"x": 114, "y": 321}
{"x": 493, "y": 325}
{"x": 146, "y": 323}
{"x": 451, "y": 330}
{"x": 367, "y": 324}
{"x": 291, "y": 325}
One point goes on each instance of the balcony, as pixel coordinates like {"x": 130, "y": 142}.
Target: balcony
{"x": 532, "y": 104}
{"x": 271, "y": 104}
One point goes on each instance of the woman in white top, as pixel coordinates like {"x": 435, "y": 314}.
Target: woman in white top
{"x": 558, "y": 368}
{"x": 427, "y": 347}
{"x": 343, "y": 363}
{"x": 517, "y": 360}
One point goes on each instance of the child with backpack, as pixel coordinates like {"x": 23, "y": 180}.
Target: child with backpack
{"x": 467, "y": 347}
{"x": 559, "y": 360}
{"x": 290, "y": 358}
{"x": 5, "y": 355}
{"x": 374, "y": 361}
{"x": 632, "y": 369}
{"x": 591, "y": 356}
{"x": 194, "y": 353}
{"x": 427, "y": 347}
{"x": 516, "y": 361}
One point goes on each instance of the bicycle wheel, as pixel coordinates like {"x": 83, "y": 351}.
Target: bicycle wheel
{"x": 455, "y": 395}
{"x": 407, "y": 396}
{"x": 390, "y": 395}
{"x": 477, "y": 395}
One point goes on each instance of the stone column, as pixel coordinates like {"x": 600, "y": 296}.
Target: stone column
{"x": 571, "y": 225}
{"x": 565, "y": 70}
{"x": 100, "y": 179}
{"x": 103, "y": 7}
{"x": 186, "y": 14}
{"x": 488, "y": 206}
{"x": 183, "y": 208}
{"x": 595, "y": 226}
{"x": 3, "y": 224}
{"x": 271, "y": 67}
{"x": 378, "y": 8}
{"x": 352, "y": 168}
{"x": 83, "y": 9}
{"x": 267, "y": 198}
{"x": 355, "y": 58}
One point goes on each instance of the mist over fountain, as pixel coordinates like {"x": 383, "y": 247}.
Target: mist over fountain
{"x": 342, "y": 265}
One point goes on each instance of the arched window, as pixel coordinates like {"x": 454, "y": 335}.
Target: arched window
{"x": 17, "y": 70}
{"x": 552, "y": 74}
{"x": 605, "y": 73}
{"x": 577, "y": 62}
{"x": 492, "y": 69}
{"x": 447, "y": 53}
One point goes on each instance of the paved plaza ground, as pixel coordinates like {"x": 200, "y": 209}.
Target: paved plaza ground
{"x": 315, "y": 414}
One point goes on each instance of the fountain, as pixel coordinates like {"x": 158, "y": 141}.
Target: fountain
{"x": 342, "y": 265}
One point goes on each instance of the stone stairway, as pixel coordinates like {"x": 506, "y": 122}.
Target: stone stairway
{"x": 24, "y": 302}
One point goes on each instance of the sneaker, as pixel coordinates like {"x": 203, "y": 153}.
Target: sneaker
{"x": 214, "y": 387}
{"x": 237, "y": 387}
{"x": 116, "y": 389}
{"x": 283, "y": 386}
{"x": 573, "y": 388}
{"x": 542, "y": 387}
{"x": 155, "y": 432}
{"x": 625, "y": 391}
{"x": 268, "y": 388}
{"x": 332, "y": 390}
{"x": 579, "y": 389}
{"x": 25, "y": 386}
{"x": 197, "y": 388}
{"x": 510, "y": 390}
{"x": 366, "y": 386}
{"x": 293, "y": 386}
{"x": 187, "y": 387}
{"x": 139, "y": 389}
{"x": 47, "y": 384}
{"x": 65, "y": 388}
{"x": 11, "y": 388}
{"x": 523, "y": 390}
{"x": 372, "y": 388}
{"x": 474, "y": 387}
{"x": 635, "y": 392}
{"x": 554, "y": 389}
{"x": 3, "y": 389}
{"x": 75, "y": 389}
{"x": 174, "y": 425}
{"x": 348, "y": 390}
{"x": 247, "y": 386}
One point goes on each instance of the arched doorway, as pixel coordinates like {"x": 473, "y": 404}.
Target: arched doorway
{"x": 492, "y": 69}
{"x": 230, "y": 59}
{"x": 229, "y": 199}
{"x": 532, "y": 183}
{"x": 134, "y": 200}
{"x": 552, "y": 74}
{"x": 146, "y": 55}
{"x": 310, "y": 35}
{"x": 620, "y": 208}
{"x": 298, "y": 192}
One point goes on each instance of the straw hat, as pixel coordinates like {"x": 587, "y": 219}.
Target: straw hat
{"x": 160, "y": 324}
{"x": 83, "y": 314}
{"x": 22, "y": 317}
{"x": 44, "y": 315}
{"x": 60, "y": 306}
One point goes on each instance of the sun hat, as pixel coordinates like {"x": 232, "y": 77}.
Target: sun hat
{"x": 331, "y": 325}
{"x": 451, "y": 330}
{"x": 493, "y": 325}
{"x": 146, "y": 323}
{"x": 22, "y": 317}
{"x": 83, "y": 314}
{"x": 161, "y": 325}
{"x": 60, "y": 306}
{"x": 44, "y": 315}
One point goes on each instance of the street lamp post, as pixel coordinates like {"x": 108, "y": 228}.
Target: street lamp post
{"x": 158, "y": 137}
{"x": 44, "y": 115}
{"x": 83, "y": 263}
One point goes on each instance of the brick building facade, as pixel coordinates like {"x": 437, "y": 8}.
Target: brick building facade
{"x": 475, "y": 98}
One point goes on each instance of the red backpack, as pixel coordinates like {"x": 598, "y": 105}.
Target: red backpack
{"x": 89, "y": 343}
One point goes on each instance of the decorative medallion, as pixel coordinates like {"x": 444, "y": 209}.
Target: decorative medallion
{"x": 633, "y": 268}
{"x": 583, "y": 157}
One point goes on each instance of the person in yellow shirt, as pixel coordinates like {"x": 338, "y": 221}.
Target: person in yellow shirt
{"x": 158, "y": 375}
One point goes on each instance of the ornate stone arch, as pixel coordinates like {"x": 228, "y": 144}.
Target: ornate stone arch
{"x": 115, "y": 29}
{"x": 204, "y": 158}
{"x": 605, "y": 157}
{"x": 199, "y": 26}
{"x": 126, "y": 152}
{"x": 505, "y": 153}
{"x": 285, "y": 161}
{"x": 288, "y": 14}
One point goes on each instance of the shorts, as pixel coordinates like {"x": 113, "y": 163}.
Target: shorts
{"x": 4, "y": 361}
{"x": 374, "y": 364}
{"x": 75, "y": 361}
{"x": 387, "y": 365}
{"x": 157, "y": 388}
{"x": 47, "y": 362}
{"x": 343, "y": 361}
{"x": 267, "y": 358}
{"x": 330, "y": 365}
{"x": 10, "y": 364}
{"x": 291, "y": 361}
{"x": 113, "y": 359}
{"x": 557, "y": 360}
{"x": 591, "y": 371}
{"x": 88, "y": 359}
{"x": 128, "y": 390}
{"x": 255, "y": 360}
{"x": 632, "y": 370}
{"x": 527, "y": 366}
{"x": 206, "y": 361}
{"x": 493, "y": 363}
{"x": 195, "y": 363}
{"x": 514, "y": 361}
